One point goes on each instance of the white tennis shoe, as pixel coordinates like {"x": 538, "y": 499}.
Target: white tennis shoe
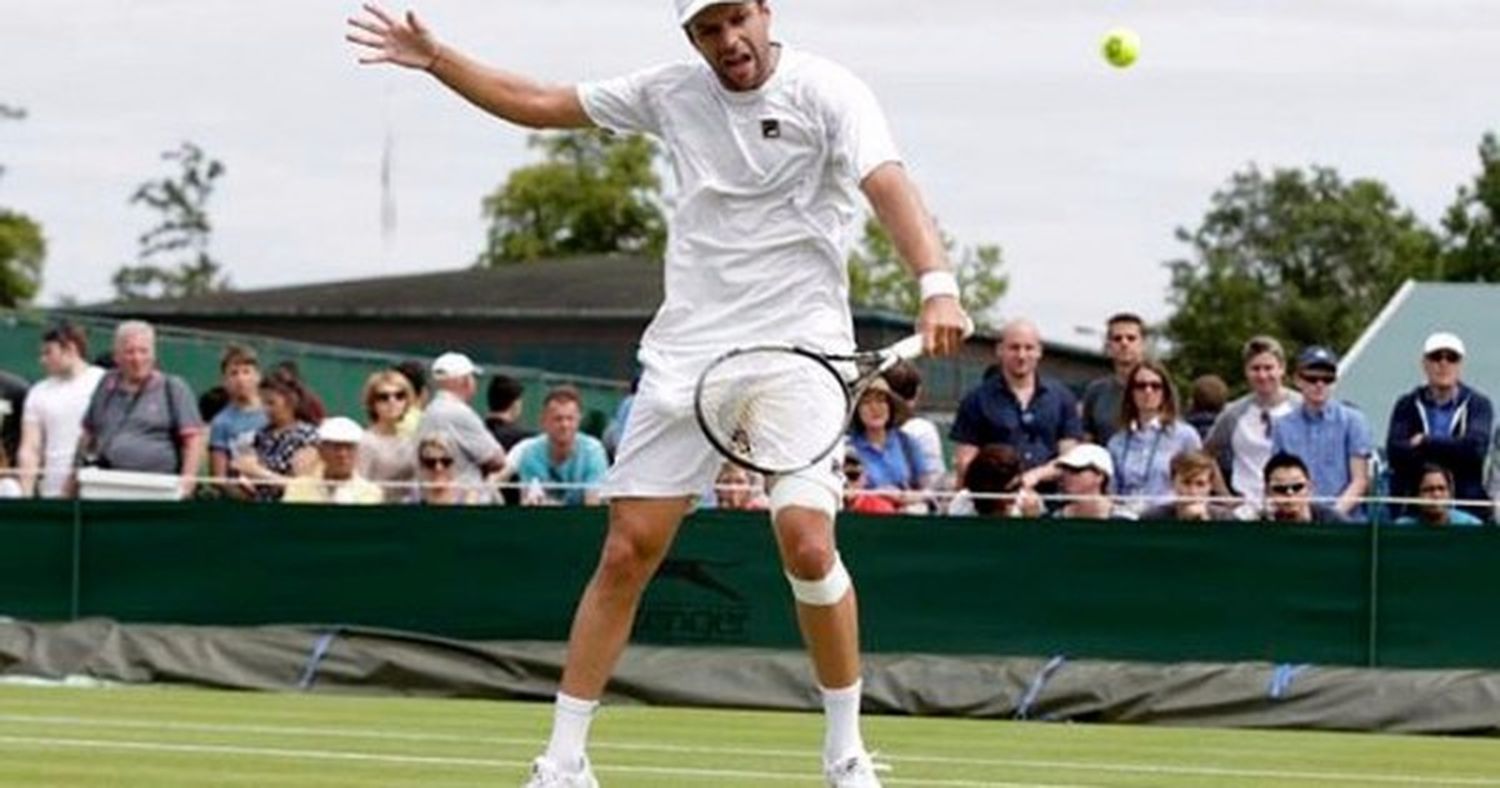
{"x": 546, "y": 774}
{"x": 855, "y": 771}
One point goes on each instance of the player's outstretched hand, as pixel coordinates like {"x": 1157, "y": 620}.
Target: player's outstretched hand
{"x": 383, "y": 38}
{"x": 943, "y": 325}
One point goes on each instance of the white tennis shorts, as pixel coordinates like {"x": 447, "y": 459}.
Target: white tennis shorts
{"x": 663, "y": 453}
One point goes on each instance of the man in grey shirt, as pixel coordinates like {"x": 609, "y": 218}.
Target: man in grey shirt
{"x": 477, "y": 453}
{"x": 141, "y": 419}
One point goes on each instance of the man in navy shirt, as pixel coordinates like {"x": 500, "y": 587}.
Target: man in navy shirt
{"x": 1444, "y": 422}
{"x": 1036, "y": 416}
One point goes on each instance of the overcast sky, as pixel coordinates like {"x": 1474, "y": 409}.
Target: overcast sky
{"x": 1016, "y": 130}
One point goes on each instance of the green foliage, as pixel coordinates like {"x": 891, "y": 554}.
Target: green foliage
{"x": 173, "y": 260}
{"x": 1472, "y": 224}
{"x": 1300, "y": 255}
{"x": 877, "y": 277}
{"x": 593, "y": 193}
{"x": 22, "y": 247}
{"x": 22, "y": 250}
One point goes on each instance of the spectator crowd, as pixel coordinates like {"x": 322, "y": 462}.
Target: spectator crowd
{"x": 1129, "y": 446}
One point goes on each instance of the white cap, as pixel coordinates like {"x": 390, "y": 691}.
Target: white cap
{"x": 339, "y": 430}
{"x": 687, "y": 9}
{"x": 1443, "y": 340}
{"x": 453, "y": 365}
{"x": 1088, "y": 455}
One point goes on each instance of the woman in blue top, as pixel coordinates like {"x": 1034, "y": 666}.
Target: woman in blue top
{"x": 892, "y": 460}
{"x": 1150, "y": 435}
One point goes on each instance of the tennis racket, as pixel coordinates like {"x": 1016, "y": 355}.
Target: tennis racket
{"x": 778, "y": 409}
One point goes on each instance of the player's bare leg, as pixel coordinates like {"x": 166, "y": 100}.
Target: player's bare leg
{"x": 828, "y": 616}
{"x": 640, "y": 532}
{"x": 831, "y": 632}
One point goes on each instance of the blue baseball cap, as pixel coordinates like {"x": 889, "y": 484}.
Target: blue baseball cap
{"x": 1318, "y": 356}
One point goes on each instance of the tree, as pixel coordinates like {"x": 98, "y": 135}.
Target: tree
{"x": 877, "y": 277}
{"x": 22, "y": 247}
{"x": 22, "y": 250}
{"x": 173, "y": 260}
{"x": 1301, "y": 255}
{"x": 594, "y": 192}
{"x": 1471, "y": 244}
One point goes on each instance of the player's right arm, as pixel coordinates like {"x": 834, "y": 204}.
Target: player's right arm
{"x": 405, "y": 41}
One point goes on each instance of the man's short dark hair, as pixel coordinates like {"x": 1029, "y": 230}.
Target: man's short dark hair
{"x": 1210, "y": 392}
{"x": 211, "y": 402}
{"x": 67, "y": 333}
{"x": 563, "y": 393}
{"x": 1432, "y": 467}
{"x": 415, "y": 373}
{"x": 503, "y": 392}
{"x": 905, "y": 380}
{"x": 238, "y": 356}
{"x": 1282, "y": 460}
{"x": 995, "y": 469}
{"x": 1126, "y": 317}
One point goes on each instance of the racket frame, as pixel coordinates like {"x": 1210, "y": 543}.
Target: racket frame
{"x": 868, "y": 365}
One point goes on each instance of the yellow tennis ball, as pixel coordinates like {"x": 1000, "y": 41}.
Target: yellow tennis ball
{"x": 1121, "y": 47}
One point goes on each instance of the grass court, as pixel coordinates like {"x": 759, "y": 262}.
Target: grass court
{"x": 161, "y": 737}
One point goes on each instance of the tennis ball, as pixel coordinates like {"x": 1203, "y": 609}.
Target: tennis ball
{"x": 1121, "y": 47}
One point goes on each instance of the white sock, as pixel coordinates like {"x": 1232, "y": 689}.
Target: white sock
{"x": 841, "y": 713}
{"x": 570, "y": 730}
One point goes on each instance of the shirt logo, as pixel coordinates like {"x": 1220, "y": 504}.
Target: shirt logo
{"x": 770, "y": 128}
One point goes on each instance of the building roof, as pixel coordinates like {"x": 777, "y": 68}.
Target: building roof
{"x": 599, "y": 286}
{"x": 1386, "y": 361}
{"x": 579, "y": 288}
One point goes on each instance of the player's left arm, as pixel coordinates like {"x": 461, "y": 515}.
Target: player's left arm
{"x": 898, "y": 205}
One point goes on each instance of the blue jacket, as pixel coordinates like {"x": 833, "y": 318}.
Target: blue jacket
{"x": 1461, "y": 451}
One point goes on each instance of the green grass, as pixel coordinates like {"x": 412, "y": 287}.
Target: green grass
{"x": 161, "y": 737}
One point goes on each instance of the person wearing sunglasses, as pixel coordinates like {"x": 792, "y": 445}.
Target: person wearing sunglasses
{"x": 1289, "y": 493}
{"x": 1332, "y": 437}
{"x": 1443, "y": 422}
{"x": 1149, "y": 435}
{"x": 387, "y": 452}
{"x": 1086, "y": 473}
{"x": 1125, "y": 344}
{"x": 438, "y": 480}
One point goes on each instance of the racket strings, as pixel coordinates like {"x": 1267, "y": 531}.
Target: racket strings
{"x": 773, "y": 410}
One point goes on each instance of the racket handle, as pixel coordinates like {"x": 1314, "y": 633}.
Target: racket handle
{"x": 909, "y": 348}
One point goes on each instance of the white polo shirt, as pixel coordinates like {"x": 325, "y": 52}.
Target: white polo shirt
{"x": 768, "y": 201}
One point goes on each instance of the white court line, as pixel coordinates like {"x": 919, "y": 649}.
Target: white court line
{"x": 484, "y": 763}
{"x": 1021, "y": 763}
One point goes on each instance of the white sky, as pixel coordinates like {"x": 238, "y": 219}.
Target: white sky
{"x": 1016, "y": 130}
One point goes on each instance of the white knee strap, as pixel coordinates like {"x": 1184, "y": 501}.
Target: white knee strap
{"x": 825, "y": 592}
{"x": 806, "y": 493}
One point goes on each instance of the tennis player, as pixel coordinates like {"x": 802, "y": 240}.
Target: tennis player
{"x": 771, "y": 147}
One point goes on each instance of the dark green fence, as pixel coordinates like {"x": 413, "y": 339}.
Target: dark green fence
{"x": 1140, "y": 591}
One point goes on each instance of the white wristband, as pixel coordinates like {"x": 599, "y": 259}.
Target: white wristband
{"x": 938, "y": 283}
